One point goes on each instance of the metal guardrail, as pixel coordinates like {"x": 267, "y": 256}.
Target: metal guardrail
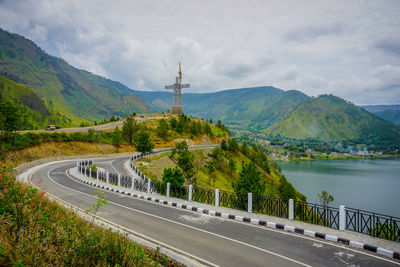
{"x": 270, "y": 206}
{"x": 232, "y": 200}
{"x": 316, "y": 214}
{"x": 374, "y": 224}
{"x": 366, "y": 222}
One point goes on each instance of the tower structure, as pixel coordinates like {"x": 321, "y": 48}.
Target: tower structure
{"x": 177, "y": 87}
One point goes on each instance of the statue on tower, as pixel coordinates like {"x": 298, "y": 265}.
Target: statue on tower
{"x": 177, "y": 87}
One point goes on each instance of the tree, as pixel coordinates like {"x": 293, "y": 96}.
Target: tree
{"x": 232, "y": 165}
{"x": 233, "y": 145}
{"x": 325, "y": 198}
{"x": 129, "y": 129}
{"x": 185, "y": 162}
{"x": 244, "y": 148}
{"x": 250, "y": 180}
{"x": 11, "y": 119}
{"x": 90, "y": 135}
{"x": 224, "y": 146}
{"x": 211, "y": 169}
{"x": 162, "y": 129}
{"x": 173, "y": 176}
{"x": 142, "y": 141}
{"x": 173, "y": 123}
{"x": 117, "y": 137}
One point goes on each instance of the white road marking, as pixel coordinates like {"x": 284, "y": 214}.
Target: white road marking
{"x": 260, "y": 227}
{"x": 317, "y": 245}
{"x": 288, "y": 233}
{"x": 188, "y": 226}
{"x": 202, "y": 219}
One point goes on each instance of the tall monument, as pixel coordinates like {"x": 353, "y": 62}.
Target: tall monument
{"x": 177, "y": 87}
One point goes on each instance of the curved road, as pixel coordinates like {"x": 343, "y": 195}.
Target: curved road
{"x": 206, "y": 239}
{"x": 81, "y": 129}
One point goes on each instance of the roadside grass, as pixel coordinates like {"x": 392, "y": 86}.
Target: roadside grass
{"x": 35, "y": 231}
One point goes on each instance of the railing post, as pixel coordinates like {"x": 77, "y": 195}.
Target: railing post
{"x": 190, "y": 192}
{"x": 250, "y": 202}
{"x": 119, "y": 179}
{"x": 77, "y": 163}
{"x": 216, "y": 197}
{"x": 133, "y": 183}
{"x": 291, "y": 209}
{"x": 168, "y": 189}
{"x": 85, "y": 171}
{"x": 108, "y": 177}
{"x": 342, "y": 218}
{"x": 97, "y": 175}
{"x": 148, "y": 185}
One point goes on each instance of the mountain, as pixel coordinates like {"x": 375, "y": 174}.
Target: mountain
{"x": 390, "y": 115}
{"x": 379, "y": 108}
{"x": 75, "y": 93}
{"x": 388, "y": 112}
{"x": 330, "y": 118}
{"x": 245, "y": 109}
{"x": 38, "y": 114}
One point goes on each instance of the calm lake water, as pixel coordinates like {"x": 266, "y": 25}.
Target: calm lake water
{"x": 372, "y": 185}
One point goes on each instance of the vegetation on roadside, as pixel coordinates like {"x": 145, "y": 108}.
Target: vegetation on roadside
{"x": 231, "y": 167}
{"x": 35, "y": 231}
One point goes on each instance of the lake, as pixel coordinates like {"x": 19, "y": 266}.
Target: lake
{"x": 367, "y": 184}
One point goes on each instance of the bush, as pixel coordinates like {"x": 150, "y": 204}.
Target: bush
{"x": 37, "y": 232}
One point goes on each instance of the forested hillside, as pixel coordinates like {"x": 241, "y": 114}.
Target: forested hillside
{"x": 330, "y": 118}
{"x": 69, "y": 91}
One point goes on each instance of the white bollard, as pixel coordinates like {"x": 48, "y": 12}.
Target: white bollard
{"x": 342, "y": 218}
{"x": 97, "y": 175}
{"x": 90, "y": 172}
{"x": 119, "y": 179}
{"x": 148, "y": 185}
{"x": 250, "y": 202}
{"x": 108, "y": 177}
{"x": 190, "y": 192}
{"x": 291, "y": 209}
{"x": 216, "y": 197}
{"x": 168, "y": 189}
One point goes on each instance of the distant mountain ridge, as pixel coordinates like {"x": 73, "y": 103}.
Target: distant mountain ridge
{"x": 67, "y": 95}
{"x": 38, "y": 115}
{"x": 75, "y": 93}
{"x": 388, "y": 112}
{"x": 244, "y": 109}
{"x": 330, "y": 118}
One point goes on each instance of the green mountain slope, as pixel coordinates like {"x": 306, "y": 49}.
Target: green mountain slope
{"x": 246, "y": 109}
{"x": 390, "y": 115}
{"x": 38, "y": 114}
{"x": 330, "y": 118}
{"x": 388, "y": 112}
{"x": 70, "y": 91}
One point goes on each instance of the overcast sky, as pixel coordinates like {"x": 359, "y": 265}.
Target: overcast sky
{"x": 348, "y": 48}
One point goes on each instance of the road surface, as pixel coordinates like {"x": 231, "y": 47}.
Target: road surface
{"x": 209, "y": 240}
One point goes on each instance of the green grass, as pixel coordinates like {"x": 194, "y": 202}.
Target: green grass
{"x": 35, "y": 231}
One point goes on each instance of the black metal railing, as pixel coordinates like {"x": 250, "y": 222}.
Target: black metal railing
{"x": 316, "y": 214}
{"x": 232, "y": 200}
{"x": 178, "y": 191}
{"x": 374, "y": 224}
{"x": 203, "y": 195}
{"x": 270, "y": 206}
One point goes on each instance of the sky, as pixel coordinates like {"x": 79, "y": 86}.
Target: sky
{"x": 347, "y": 48}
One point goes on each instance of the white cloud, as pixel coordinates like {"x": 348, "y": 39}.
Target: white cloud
{"x": 349, "y": 49}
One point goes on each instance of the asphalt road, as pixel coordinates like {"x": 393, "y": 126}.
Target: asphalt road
{"x": 208, "y": 239}
{"x": 82, "y": 129}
